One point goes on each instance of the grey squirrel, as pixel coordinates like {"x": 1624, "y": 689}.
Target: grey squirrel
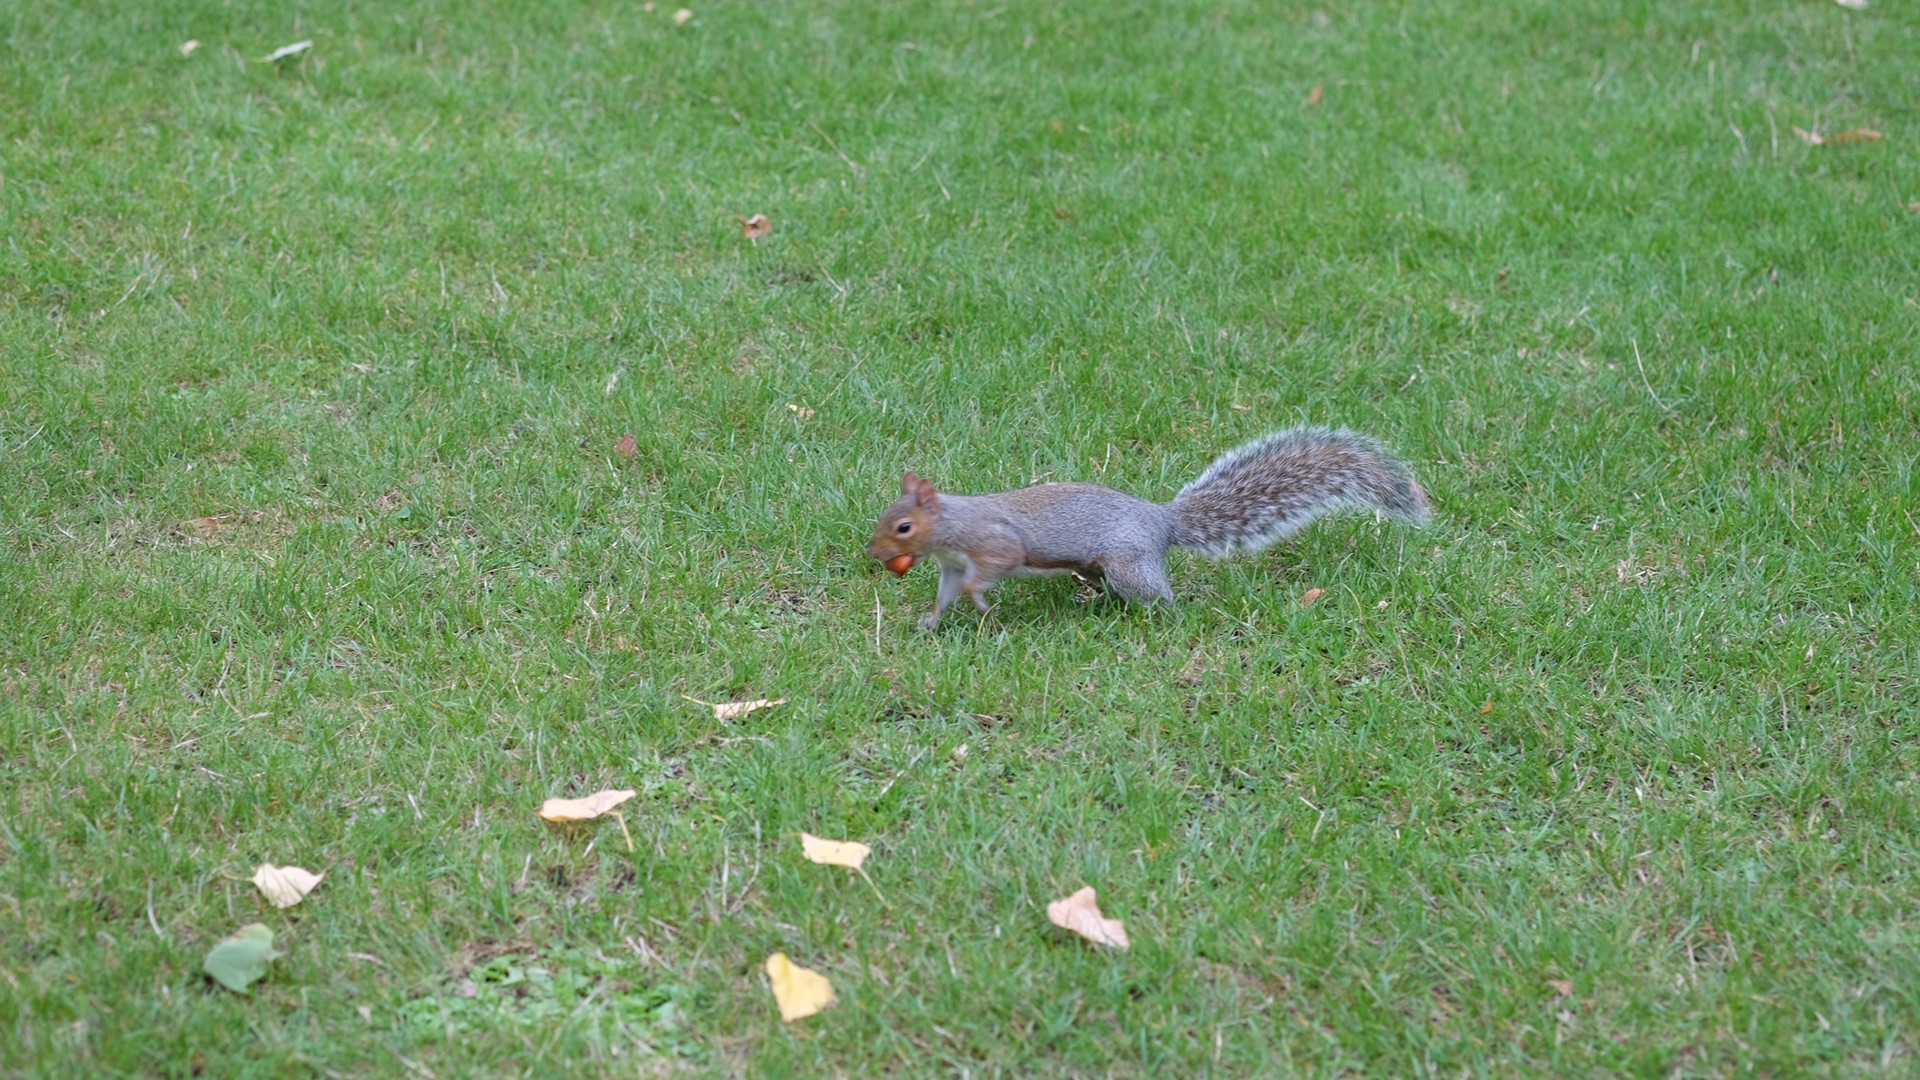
{"x": 1248, "y": 498}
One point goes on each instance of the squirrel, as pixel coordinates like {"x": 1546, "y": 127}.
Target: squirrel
{"x": 1248, "y": 498}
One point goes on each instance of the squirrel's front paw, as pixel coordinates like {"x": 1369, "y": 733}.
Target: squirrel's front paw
{"x": 931, "y": 622}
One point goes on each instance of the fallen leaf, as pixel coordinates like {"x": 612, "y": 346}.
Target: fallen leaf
{"x": 285, "y": 51}
{"x": 1319, "y": 91}
{"x": 681, "y": 17}
{"x": 1856, "y": 5}
{"x": 1487, "y": 709}
{"x": 803, "y": 412}
{"x": 1808, "y": 137}
{"x": 626, "y": 447}
{"x": 754, "y": 227}
{"x": 285, "y": 885}
{"x": 583, "y": 809}
{"x": 960, "y": 752}
{"x": 1854, "y": 135}
{"x": 729, "y": 710}
{"x": 1080, "y": 914}
{"x": 187, "y": 47}
{"x": 239, "y": 961}
{"x": 1307, "y": 598}
{"x": 800, "y": 992}
{"x": 1064, "y": 214}
{"x": 1914, "y": 207}
{"x": 847, "y": 853}
{"x": 1561, "y": 987}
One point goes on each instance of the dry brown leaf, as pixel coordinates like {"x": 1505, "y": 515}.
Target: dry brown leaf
{"x": 285, "y": 885}
{"x": 681, "y": 17}
{"x": 1064, "y": 214}
{"x": 1319, "y": 91}
{"x": 800, "y": 410}
{"x": 847, "y": 853}
{"x": 1307, "y": 598}
{"x": 1561, "y": 987}
{"x": 583, "y": 809}
{"x": 1914, "y": 207}
{"x": 1854, "y": 135}
{"x": 1080, "y": 914}
{"x": 626, "y": 447}
{"x": 798, "y": 991}
{"x": 1487, "y": 709}
{"x": 731, "y": 710}
{"x": 754, "y": 227}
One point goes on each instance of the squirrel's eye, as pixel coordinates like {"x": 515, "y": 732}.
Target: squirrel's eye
{"x": 905, "y": 528}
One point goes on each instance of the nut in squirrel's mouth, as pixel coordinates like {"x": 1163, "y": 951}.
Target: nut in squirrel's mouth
{"x": 899, "y": 565}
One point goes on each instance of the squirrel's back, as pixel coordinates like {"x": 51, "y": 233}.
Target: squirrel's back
{"x": 1275, "y": 485}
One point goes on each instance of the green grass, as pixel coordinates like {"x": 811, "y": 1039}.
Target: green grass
{"x": 1639, "y": 711}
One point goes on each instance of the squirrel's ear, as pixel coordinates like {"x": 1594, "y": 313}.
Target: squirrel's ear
{"x": 909, "y": 484}
{"x": 924, "y": 494}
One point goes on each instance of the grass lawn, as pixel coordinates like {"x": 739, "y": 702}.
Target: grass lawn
{"x": 318, "y": 549}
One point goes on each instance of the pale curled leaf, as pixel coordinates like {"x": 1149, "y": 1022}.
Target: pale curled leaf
{"x": 733, "y": 710}
{"x": 583, "y": 809}
{"x": 755, "y": 227}
{"x": 239, "y": 961}
{"x": 285, "y": 885}
{"x": 1081, "y": 914}
{"x": 682, "y": 17}
{"x": 188, "y": 46}
{"x": 285, "y": 51}
{"x": 798, "y": 991}
{"x": 1307, "y": 598}
{"x": 847, "y": 853}
{"x": 1561, "y": 987}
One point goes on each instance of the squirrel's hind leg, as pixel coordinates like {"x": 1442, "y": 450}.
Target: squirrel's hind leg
{"x": 1140, "y": 578}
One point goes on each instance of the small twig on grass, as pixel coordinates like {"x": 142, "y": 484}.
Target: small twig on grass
{"x": 1643, "y": 377}
{"x": 151, "y": 921}
{"x": 858, "y": 172}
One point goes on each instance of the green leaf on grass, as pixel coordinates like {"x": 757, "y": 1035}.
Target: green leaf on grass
{"x": 237, "y": 962}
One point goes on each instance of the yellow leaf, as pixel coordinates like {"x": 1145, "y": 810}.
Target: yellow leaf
{"x": 285, "y": 885}
{"x": 583, "y": 809}
{"x": 1080, "y": 914}
{"x": 800, "y": 992}
{"x": 847, "y": 853}
{"x": 729, "y": 710}
{"x": 1854, "y": 135}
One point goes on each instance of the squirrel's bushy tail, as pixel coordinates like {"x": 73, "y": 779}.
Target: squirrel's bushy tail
{"x": 1275, "y": 485}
